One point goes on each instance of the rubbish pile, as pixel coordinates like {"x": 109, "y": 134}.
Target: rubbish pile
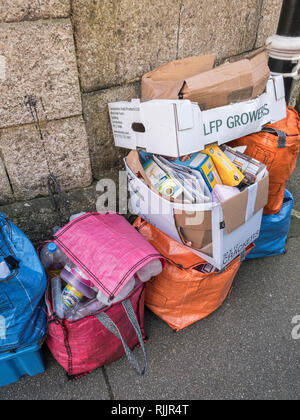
{"x": 211, "y": 149}
{"x": 211, "y": 152}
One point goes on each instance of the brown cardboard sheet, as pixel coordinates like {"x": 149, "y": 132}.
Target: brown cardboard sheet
{"x": 166, "y": 81}
{"x": 194, "y": 227}
{"x": 234, "y": 211}
{"x": 196, "y": 80}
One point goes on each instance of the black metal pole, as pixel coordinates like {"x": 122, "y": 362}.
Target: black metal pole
{"x": 289, "y": 21}
{"x": 288, "y": 26}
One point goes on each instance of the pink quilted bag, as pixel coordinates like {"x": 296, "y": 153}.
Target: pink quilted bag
{"x": 109, "y": 251}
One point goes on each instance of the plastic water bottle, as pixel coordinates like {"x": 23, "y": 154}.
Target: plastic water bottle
{"x": 53, "y": 259}
{"x": 4, "y": 269}
{"x": 83, "y": 310}
{"x": 152, "y": 269}
{"x": 57, "y": 297}
{"x": 124, "y": 292}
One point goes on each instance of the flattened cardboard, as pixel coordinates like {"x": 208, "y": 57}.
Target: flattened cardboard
{"x": 166, "y": 81}
{"x": 195, "y": 79}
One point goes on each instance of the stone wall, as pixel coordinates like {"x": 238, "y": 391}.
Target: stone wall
{"x": 61, "y": 61}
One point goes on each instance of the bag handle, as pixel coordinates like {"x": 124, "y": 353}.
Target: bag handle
{"x": 281, "y": 136}
{"x": 107, "y": 322}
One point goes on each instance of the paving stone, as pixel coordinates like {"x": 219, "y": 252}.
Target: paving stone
{"x": 31, "y": 152}
{"x": 39, "y": 72}
{"x": 54, "y": 385}
{"x": 245, "y": 350}
{"x": 104, "y": 154}
{"x": 18, "y": 10}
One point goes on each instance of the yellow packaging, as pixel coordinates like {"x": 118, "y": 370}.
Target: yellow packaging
{"x": 228, "y": 172}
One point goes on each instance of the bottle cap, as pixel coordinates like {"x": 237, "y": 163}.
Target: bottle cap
{"x": 52, "y": 247}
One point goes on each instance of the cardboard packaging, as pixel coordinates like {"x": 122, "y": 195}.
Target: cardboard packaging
{"x": 178, "y": 127}
{"x": 217, "y": 232}
{"x": 195, "y": 79}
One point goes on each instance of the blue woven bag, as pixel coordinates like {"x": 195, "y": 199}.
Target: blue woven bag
{"x": 22, "y": 307}
{"x": 274, "y": 231}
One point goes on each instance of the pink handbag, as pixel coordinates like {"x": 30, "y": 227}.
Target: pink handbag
{"x": 109, "y": 251}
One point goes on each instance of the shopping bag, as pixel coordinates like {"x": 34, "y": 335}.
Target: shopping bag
{"x": 109, "y": 251}
{"x": 82, "y": 346}
{"x": 274, "y": 231}
{"x": 277, "y": 146}
{"x": 22, "y": 291}
{"x": 182, "y": 295}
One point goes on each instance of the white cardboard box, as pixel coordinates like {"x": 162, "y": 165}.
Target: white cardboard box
{"x": 233, "y": 225}
{"x": 178, "y": 127}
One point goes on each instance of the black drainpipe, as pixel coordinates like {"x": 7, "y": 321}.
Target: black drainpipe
{"x": 289, "y": 26}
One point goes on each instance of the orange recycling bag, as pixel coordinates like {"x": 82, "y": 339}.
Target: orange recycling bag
{"x": 277, "y": 146}
{"x": 181, "y": 295}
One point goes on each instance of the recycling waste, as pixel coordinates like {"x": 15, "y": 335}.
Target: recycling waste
{"x": 277, "y": 146}
{"x": 217, "y": 213}
{"x": 23, "y": 326}
{"x": 274, "y": 231}
{"x": 210, "y": 150}
{"x": 95, "y": 303}
{"x": 74, "y": 296}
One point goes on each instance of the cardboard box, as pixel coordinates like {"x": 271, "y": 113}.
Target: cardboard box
{"x": 195, "y": 79}
{"x": 217, "y": 232}
{"x": 178, "y": 127}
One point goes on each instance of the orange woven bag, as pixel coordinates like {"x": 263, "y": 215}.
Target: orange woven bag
{"x": 277, "y": 146}
{"x": 181, "y": 295}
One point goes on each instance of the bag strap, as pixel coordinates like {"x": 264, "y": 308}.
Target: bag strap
{"x": 281, "y": 136}
{"x": 107, "y": 322}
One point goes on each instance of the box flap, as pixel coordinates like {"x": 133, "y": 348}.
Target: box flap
{"x": 166, "y": 81}
{"x": 196, "y": 220}
{"x": 136, "y": 167}
{"x": 196, "y": 239}
{"x": 194, "y": 228}
{"x": 230, "y": 82}
{"x": 234, "y": 211}
{"x": 260, "y": 71}
{"x": 262, "y": 194}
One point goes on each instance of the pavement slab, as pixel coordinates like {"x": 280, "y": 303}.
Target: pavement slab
{"x": 244, "y": 350}
{"x": 54, "y": 385}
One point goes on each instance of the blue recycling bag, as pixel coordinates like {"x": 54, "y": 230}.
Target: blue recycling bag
{"x": 274, "y": 231}
{"x": 22, "y": 307}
